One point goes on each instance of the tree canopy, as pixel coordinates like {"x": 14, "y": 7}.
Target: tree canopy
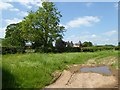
{"x": 40, "y": 28}
{"x": 87, "y": 44}
{"x": 13, "y": 35}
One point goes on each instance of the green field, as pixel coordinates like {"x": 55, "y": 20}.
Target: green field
{"x": 33, "y": 70}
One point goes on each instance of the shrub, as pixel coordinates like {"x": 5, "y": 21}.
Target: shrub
{"x": 117, "y": 48}
{"x": 12, "y": 50}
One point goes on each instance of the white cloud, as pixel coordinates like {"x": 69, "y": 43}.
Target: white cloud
{"x": 37, "y": 3}
{"x": 95, "y": 39}
{"x": 73, "y": 38}
{"x": 23, "y": 14}
{"x": 28, "y": 3}
{"x": 11, "y": 21}
{"x": 82, "y": 38}
{"x": 89, "y": 4}
{"x": 14, "y": 9}
{"x": 77, "y": 38}
{"x": 110, "y": 33}
{"x": 28, "y": 6}
{"x": 7, "y": 6}
{"x": 82, "y": 21}
{"x": 93, "y": 35}
{"x": 10, "y": 7}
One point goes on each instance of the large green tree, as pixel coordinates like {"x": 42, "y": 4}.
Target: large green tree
{"x": 13, "y": 35}
{"x": 42, "y": 27}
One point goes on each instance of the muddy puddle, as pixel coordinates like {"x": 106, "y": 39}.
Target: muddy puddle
{"x": 100, "y": 69}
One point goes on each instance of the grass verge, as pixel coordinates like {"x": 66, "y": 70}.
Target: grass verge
{"x": 34, "y": 70}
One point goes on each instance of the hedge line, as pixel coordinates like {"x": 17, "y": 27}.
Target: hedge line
{"x": 92, "y": 49}
{"x": 12, "y": 50}
{"x": 87, "y": 49}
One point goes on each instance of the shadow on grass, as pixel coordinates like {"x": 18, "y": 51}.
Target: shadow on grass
{"x": 8, "y": 80}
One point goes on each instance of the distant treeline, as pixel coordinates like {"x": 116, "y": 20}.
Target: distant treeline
{"x": 13, "y": 50}
{"x": 60, "y": 46}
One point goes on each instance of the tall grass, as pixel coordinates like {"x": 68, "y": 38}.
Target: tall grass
{"x": 33, "y": 70}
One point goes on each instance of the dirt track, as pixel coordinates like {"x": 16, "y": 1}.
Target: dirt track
{"x": 73, "y": 79}
{"x": 84, "y": 80}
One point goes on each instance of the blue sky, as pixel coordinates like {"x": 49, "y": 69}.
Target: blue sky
{"x": 94, "y": 21}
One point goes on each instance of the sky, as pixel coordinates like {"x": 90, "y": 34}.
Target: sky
{"x": 84, "y": 21}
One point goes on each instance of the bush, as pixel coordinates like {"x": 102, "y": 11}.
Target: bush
{"x": 44, "y": 50}
{"x": 73, "y": 49}
{"x": 88, "y": 49}
{"x": 12, "y": 50}
{"x": 117, "y": 48}
{"x": 20, "y": 49}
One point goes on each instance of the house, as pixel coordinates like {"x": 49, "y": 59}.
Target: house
{"x": 77, "y": 44}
